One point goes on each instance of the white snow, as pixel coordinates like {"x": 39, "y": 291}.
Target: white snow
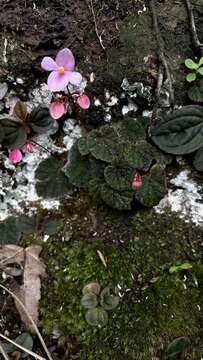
{"x": 186, "y": 200}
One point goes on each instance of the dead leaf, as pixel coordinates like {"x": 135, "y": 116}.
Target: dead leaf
{"x": 33, "y": 270}
{"x": 102, "y": 258}
{"x": 20, "y": 110}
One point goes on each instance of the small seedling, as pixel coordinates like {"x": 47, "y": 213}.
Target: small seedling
{"x": 97, "y": 303}
{"x": 197, "y": 69}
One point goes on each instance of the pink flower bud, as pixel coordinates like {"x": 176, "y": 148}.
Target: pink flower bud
{"x": 29, "y": 148}
{"x": 137, "y": 182}
{"x": 57, "y": 109}
{"x": 15, "y": 156}
{"x": 83, "y": 101}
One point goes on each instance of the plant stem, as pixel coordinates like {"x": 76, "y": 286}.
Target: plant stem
{"x": 31, "y": 320}
{"x": 36, "y": 356}
{"x": 36, "y": 143}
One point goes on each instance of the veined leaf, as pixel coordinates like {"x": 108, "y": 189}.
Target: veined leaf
{"x": 191, "y": 77}
{"x": 190, "y": 64}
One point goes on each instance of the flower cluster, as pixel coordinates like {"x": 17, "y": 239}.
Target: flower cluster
{"x": 62, "y": 74}
{"x": 16, "y": 156}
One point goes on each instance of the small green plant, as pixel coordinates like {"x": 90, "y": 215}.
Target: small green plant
{"x": 197, "y": 69}
{"x": 98, "y": 302}
{"x": 180, "y": 267}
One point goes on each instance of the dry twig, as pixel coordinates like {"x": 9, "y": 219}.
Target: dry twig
{"x": 31, "y": 320}
{"x": 162, "y": 60}
{"x": 36, "y": 356}
{"x": 198, "y": 45}
{"x": 99, "y": 36}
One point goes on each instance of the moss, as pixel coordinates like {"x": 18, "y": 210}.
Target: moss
{"x": 155, "y": 308}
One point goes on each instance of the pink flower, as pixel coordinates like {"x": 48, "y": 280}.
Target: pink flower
{"x": 84, "y": 101}
{"x": 137, "y": 181}
{"x": 15, "y": 156}
{"x": 29, "y": 148}
{"x": 57, "y": 109}
{"x": 62, "y": 70}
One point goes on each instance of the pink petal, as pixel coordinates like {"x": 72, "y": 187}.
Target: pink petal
{"x": 15, "y": 156}
{"x": 57, "y": 109}
{"x": 66, "y": 59}
{"x": 137, "y": 182}
{"x": 83, "y": 101}
{"x": 29, "y": 148}
{"x": 57, "y": 81}
{"x": 48, "y": 64}
{"x": 75, "y": 78}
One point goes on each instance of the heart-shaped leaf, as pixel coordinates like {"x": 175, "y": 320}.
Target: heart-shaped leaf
{"x": 40, "y": 120}
{"x": 93, "y": 287}
{"x": 83, "y": 146}
{"x": 97, "y": 317}
{"x": 24, "y": 340}
{"x": 9, "y": 233}
{"x": 89, "y": 300}
{"x": 15, "y": 134}
{"x": 115, "y": 199}
{"x": 138, "y": 155}
{"x": 108, "y": 301}
{"x": 119, "y": 178}
{"x": 51, "y": 181}
{"x": 153, "y": 187}
{"x": 191, "y": 77}
{"x": 181, "y": 132}
{"x": 195, "y": 92}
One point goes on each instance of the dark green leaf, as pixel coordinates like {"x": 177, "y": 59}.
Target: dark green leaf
{"x": 177, "y": 346}
{"x": 198, "y": 160}
{"x": 26, "y": 224}
{"x": 133, "y": 129}
{"x": 103, "y": 144}
{"x": 97, "y": 317}
{"x": 181, "y": 132}
{"x": 9, "y": 234}
{"x": 83, "y": 146}
{"x": 153, "y": 187}
{"x": 51, "y": 181}
{"x": 24, "y": 340}
{"x": 138, "y": 155}
{"x": 15, "y": 135}
{"x": 89, "y": 300}
{"x": 51, "y": 226}
{"x": 40, "y": 120}
{"x": 195, "y": 92}
{"x": 108, "y": 301}
{"x": 115, "y": 199}
{"x": 119, "y": 178}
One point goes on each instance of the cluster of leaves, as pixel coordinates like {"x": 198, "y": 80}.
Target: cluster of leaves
{"x": 92, "y": 296}
{"x": 195, "y": 92}
{"x": 12, "y": 228}
{"x": 106, "y": 161}
{"x": 14, "y": 132}
{"x": 181, "y": 132}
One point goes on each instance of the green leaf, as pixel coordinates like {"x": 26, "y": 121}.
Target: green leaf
{"x": 9, "y": 231}
{"x": 51, "y": 181}
{"x": 177, "y": 346}
{"x": 89, "y": 300}
{"x": 181, "y": 132}
{"x": 24, "y": 340}
{"x": 40, "y": 120}
{"x": 15, "y": 135}
{"x": 97, "y": 317}
{"x": 200, "y": 70}
{"x": 108, "y": 301}
{"x": 78, "y": 168}
{"x": 93, "y": 287}
{"x": 103, "y": 144}
{"x": 200, "y": 61}
{"x": 115, "y": 199}
{"x": 191, "y": 77}
{"x": 138, "y": 155}
{"x": 180, "y": 267}
{"x": 2, "y": 134}
{"x": 153, "y": 187}
{"x": 51, "y": 226}
{"x": 83, "y": 146}
{"x": 119, "y": 178}
{"x": 133, "y": 129}
{"x": 198, "y": 160}
{"x": 195, "y": 92}
{"x": 190, "y": 64}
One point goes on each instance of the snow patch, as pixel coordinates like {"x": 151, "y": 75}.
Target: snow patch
{"x": 186, "y": 200}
